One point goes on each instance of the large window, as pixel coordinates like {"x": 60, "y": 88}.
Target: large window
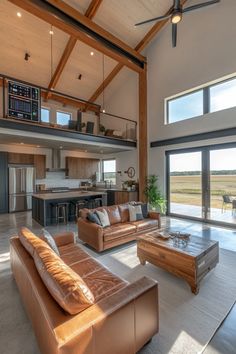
{"x": 185, "y": 107}
{"x": 223, "y": 95}
{"x": 63, "y": 118}
{"x": 109, "y": 170}
{"x": 45, "y": 115}
{"x": 209, "y": 99}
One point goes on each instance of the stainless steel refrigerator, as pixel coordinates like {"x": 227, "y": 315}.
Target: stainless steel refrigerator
{"x": 21, "y": 188}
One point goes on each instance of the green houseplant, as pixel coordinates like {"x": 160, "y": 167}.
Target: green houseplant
{"x": 153, "y": 194}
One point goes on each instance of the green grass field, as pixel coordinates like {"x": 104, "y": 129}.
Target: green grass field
{"x": 187, "y": 189}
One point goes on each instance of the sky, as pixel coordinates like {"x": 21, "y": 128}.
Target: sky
{"x": 224, "y": 159}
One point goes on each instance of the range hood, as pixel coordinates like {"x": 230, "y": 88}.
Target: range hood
{"x": 56, "y": 162}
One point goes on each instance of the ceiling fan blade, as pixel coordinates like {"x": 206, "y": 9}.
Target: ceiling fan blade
{"x": 174, "y": 35}
{"x": 160, "y": 18}
{"x": 199, "y": 6}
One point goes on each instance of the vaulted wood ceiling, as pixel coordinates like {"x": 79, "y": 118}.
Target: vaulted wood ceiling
{"x": 31, "y": 34}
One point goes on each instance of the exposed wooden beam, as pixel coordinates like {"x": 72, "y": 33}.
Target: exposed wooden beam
{"x": 69, "y": 101}
{"x": 71, "y": 11}
{"x": 62, "y": 63}
{"x": 142, "y": 142}
{"x": 90, "y": 13}
{"x": 93, "y": 8}
{"x": 71, "y": 21}
{"x": 139, "y": 47}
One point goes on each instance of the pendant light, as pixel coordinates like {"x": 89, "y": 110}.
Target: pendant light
{"x": 103, "y": 77}
{"x": 51, "y": 44}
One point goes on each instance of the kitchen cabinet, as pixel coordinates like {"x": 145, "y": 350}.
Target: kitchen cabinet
{"x": 40, "y": 166}
{"x": 20, "y": 159}
{"x": 120, "y": 197}
{"x": 3, "y": 183}
{"x": 81, "y": 168}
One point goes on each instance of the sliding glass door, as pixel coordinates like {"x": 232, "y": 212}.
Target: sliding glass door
{"x": 185, "y": 185}
{"x": 201, "y": 183}
{"x": 223, "y": 185}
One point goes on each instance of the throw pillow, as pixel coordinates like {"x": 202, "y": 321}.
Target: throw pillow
{"x": 94, "y": 218}
{"x": 144, "y": 210}
{"x": 50, "y": 241}
{"x": 135, "y": 213}
{"x": 103, "y": 217}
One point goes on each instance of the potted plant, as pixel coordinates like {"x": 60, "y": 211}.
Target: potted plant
{"x": 154, "y": 195}
{"x": 102, "y": 129}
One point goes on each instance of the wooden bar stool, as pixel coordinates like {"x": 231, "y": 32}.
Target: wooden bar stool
{"x": 62, "y": 212}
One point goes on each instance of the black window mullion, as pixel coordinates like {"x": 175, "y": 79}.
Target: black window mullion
{"x": 206, "y": 100}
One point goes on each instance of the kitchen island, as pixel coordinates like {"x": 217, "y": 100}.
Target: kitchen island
{"x": 43, "y": 204}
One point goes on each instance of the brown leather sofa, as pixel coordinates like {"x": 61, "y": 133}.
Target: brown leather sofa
{"x": 121, "y": 229}
{"x": 122, "y": 319}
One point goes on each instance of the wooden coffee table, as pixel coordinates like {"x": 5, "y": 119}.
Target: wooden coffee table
{"x": 191, "y": 261}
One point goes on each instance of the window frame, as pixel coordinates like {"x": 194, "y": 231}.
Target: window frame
{"x": 102, "y": 169}
{"x": 206, "y": 99}
{"x": 63, "y": 112}
{"x": 46, "y": 109}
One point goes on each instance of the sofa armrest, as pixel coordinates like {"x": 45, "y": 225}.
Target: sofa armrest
{"x": 64, "y": 238}
{"x": 90, "y": 233}
{"x": 155, "y": 215}
{"x": 131, "y": 314}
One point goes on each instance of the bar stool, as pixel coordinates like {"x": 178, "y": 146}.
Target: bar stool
{"x": 97, "y": 202}
{"x": 62, "y": 212}
{"x": 77, "y": 205}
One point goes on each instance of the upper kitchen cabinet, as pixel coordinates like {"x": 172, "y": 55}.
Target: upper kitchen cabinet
{"x": 40, "y": 166}
{"x": 20, "y": 159}
{"x": 81, "y": 168}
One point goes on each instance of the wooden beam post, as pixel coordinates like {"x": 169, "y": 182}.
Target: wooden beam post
{"x": 142, "y": 142}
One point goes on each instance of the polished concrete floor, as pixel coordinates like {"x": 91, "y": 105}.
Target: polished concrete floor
{"x": 227, "y": 215}
{"x": 223, "y": 342}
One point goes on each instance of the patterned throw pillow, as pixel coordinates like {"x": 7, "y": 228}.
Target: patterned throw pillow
{"x": 135, "y": 213}
{"x": 50, "y": 241}
{"x": 93, "y": 217}
{"x": 103, "y": 217}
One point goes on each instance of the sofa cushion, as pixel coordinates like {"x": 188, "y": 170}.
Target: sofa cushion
{"x": 145, "y": 224}
{"x": 113, "y": 214}
{"x": 100, "y": 281}
{"x": 65, "y": 286}
{"x": 118, "y": 230}
{"x": 47, "y": 237}
{"x": 29, "y": 240}
{"x": 104, "y": 283}
{"x": 103, "y": 217}
{"x": 93, "y": 217}
{"x": 124, "y": 212}
{"x": 135, "y": 212}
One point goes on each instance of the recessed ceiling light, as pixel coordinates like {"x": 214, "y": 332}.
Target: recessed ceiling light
{"x": 51, "y": 32}
{"x": 103, "y": 111}
{"x": 18, "y": 14}
{"x": 91, "y": 53}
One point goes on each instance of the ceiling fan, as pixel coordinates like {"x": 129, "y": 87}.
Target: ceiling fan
{"x": 176, "y": 14}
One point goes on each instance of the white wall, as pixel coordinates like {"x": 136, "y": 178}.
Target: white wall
{"x": 205, "y": 51}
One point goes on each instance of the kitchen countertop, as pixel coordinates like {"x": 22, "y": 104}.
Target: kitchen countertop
{"x": 67, "y": 195}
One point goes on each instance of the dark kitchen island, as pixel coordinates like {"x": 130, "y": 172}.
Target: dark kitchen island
{"x": 43, "y": 211}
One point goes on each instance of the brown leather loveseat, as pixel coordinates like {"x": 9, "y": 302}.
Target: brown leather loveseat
{"x": 121, "y": 318}
{"x": 121, "y": 230}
